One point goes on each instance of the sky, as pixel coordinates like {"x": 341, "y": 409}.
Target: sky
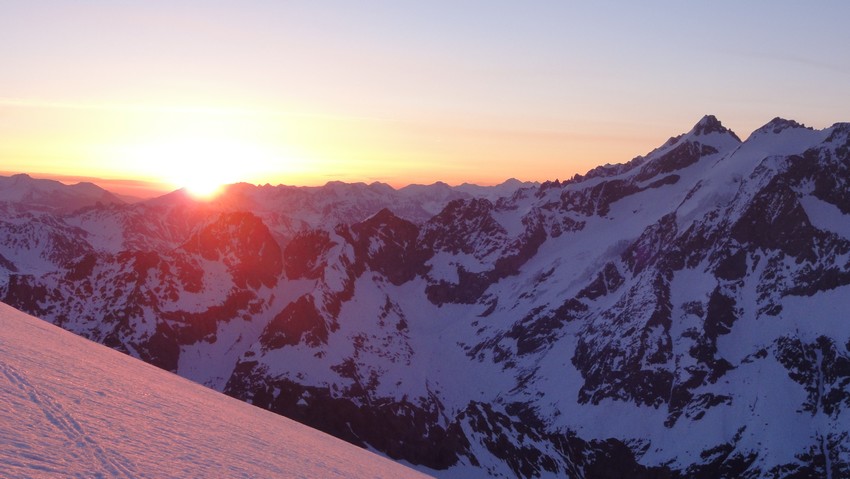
{"x": 175, "y": 93}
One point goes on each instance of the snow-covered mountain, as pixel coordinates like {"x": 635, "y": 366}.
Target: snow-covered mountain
{"x": 684, "y": 314}
{"x": 72, "y": 408}
{"x": 33, "y": 194}
{"x": 291, "y": 209}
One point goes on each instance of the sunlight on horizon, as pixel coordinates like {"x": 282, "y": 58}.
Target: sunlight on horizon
{"x": 303, "y": 94}
{"x": 204, "y": 164}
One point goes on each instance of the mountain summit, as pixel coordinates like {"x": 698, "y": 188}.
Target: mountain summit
{"x": 50, "y": 195}
{"x": 679, "y": 315}
{"x": 710, "y": 124}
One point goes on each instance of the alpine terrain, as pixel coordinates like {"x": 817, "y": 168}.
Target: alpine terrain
{"x": 72, "y": 408}
{"x": 684, "y": 314}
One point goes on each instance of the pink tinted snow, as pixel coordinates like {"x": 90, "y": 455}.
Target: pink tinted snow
{"x": 73, "y": 408}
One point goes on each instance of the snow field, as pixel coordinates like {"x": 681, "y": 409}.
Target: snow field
{"x": 72, "y": 408}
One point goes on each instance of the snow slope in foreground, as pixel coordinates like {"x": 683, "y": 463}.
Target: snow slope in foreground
{"x": 73, "y": 408}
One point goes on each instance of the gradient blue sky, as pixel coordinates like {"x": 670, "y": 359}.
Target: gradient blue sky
{"x": 398, "y": 91}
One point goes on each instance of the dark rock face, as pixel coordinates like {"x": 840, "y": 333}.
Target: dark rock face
{"x": 389, "y": 247}
{"x": 777, "y": 125}
{"x": 710, "y": 124}
{"x": 7, "y": 265}
{"x": 628, "y": 374}
{"x": 465, "y": 227}
{"x": 598, "y": 200}
{"x": 732, "y": 267}
{"x": 24, "y": 293}
{"x": 510, "y": 255}
{"x": 514, "y": 435}
{"x": 190, "y": 328}
{"x": 242, "y": 242}
{"x": 40, "y": 237}
{"x": 720, "y": 315}
{"x": 651, "y": 245}
{"x": 298, "y": 321}
{"x": 607, "y": 281}
{"x": 822, "y": 367}
{"x": 401, "y": 429}
{"x": 682, "y": 156}
{"x": 787, "y": 228}
{"x": 304, "y": 255}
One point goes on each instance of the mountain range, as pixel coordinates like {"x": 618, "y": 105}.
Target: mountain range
{"x": 684, "y": 314}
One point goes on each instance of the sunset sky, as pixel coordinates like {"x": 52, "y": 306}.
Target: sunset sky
{"x": 175, "y": 92}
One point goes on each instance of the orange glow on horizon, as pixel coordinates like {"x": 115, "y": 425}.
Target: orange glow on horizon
{"x": 204, "y": 191}
{"x": 203, "y": 148}
{"x": 202, "y": 164}
{"x": 298, "y": 93}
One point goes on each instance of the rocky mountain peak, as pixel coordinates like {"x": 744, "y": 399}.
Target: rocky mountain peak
{"x": 242, "y": 242}
{"x": 710, "y": 124}
{"x": 778, "y": 124}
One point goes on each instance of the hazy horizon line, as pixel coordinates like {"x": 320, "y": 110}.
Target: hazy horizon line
{"x": 131, "y": 189}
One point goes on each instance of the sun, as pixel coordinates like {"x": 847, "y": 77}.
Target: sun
{"x": 204, "y": 165}
{"x": 203, "y": 188}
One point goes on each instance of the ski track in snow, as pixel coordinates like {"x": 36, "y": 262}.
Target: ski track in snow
{"x": 106, "y": 463}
